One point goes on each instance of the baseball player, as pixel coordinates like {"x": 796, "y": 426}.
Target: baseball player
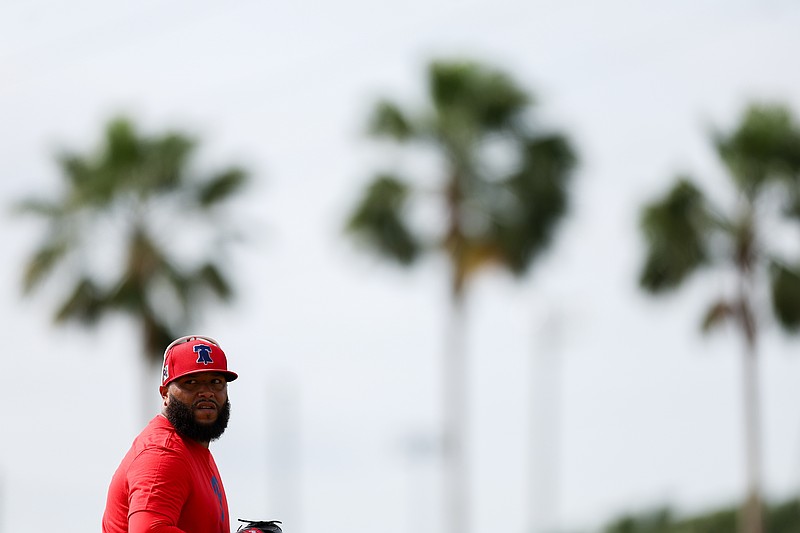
{"x": 168, "y": 481}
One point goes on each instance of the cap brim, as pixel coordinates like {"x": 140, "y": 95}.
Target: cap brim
{"x": 229, "y": 376}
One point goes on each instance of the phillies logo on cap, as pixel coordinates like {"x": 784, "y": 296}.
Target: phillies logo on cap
{"x": 203, "y": 354}
{"x": 193, "y": 354}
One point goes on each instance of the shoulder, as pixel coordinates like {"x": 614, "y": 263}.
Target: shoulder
{"x": 159, "y": 442}
{"x": 159, "y": 433}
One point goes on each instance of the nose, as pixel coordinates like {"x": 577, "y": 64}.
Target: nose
{"x": 205, "y": 388}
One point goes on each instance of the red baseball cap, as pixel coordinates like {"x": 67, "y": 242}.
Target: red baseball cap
{"x": 193, "y": 354}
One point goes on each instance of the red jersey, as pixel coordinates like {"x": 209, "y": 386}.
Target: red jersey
{"x": 175, "y": 478}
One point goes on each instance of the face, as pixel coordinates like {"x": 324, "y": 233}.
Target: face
{"x": 197, "y": 405}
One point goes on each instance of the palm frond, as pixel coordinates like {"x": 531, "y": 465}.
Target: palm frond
{"x": 43, "y": 261}
{"x": 388, "y": 120}
{"x": 717, "y": 314}
{"x": 765, "y": 146}
{"x": 221, "y": 187}
{"x": 785, "y": 288}
{"x": 676, "y": 229}
{"x": 74, "y": 168}
{"x": 123, "y": 148}
{"x": 86, "y": 304}
{"x": 524, "y": 226}
{"x": 164, "y": 164}
{"x": 38, "y": 207}
{"x": 90, "y": 186}
{"x": 488, "y": 98}
{"x": 210, "y": 276}
{"x": 378, "y": 220}
{"x": 130, "y": 296}
{"x": 156, "y": 334}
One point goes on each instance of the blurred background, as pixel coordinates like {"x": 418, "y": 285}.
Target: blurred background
{"x": 243, "y": 170}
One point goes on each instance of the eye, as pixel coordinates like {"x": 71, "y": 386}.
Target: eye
{"x": 189, "y": 384}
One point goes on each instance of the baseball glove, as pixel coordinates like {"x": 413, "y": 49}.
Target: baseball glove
{"x": 259, "y": 526}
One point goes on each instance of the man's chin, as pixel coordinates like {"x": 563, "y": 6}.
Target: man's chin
{"x": 205, "y": 416}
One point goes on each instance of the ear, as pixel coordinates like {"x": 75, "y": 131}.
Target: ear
{"x": 163, "y": 391}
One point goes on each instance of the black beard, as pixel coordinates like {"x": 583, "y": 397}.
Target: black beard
{"x": 182, "y": 418}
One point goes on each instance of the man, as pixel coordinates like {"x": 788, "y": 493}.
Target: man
{"x": 168, "y": 482}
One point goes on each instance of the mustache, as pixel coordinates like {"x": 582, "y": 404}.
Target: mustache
{"x": 196, "y": 403}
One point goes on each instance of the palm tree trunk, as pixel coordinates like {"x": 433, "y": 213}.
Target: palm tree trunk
{"x": 545, "y": 427}
{"x": 753, "y": 520}
{"x": 752, "y": 511}
{"x": 455, "y": 481}
{"x": 149, "y": 381}
{"x": 454, "y": 376}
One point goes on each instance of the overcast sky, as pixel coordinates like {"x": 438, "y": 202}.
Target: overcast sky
{"x": 611, "y": 399}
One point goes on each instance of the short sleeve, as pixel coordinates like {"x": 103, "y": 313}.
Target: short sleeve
{"x": 159, "y": 481}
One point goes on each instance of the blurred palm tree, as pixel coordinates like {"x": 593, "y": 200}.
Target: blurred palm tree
{"x": 135, "y": 231}
{"x": 502, "y": 190}
{"x": 780, "y": 517}
{"x": 685, "y": 232}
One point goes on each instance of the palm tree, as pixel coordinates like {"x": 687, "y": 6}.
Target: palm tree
{"x": 141, "y": 191}
{"x": 685, "y": 232}
{"x": 502, "y": 190}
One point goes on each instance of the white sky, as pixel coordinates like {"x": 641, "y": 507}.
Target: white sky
{"x": 638, "y": 409}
